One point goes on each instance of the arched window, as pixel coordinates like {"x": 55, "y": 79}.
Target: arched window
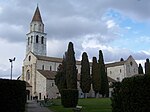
{"x": 29, "y": 58}
{"x": 31, "y": 39}
{"x": 50, "y": 68}
{"x": 120, "y": 70}
{"x": 37, "y": 39}
{"x": 42, "y": 67}
{"x": 52, "y": 84}
{"x": 27, "y": 75}
{"x": 42, "y": 40}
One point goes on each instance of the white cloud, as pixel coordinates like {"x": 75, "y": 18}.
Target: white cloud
{"x": 128, "y": 28}
{"x": 81, "y": 22}
{"x": 1, "y": 9}
{"x": 110, "y": 24}
{"x": 10, "y": 50}
{"x": 143, "y": 39}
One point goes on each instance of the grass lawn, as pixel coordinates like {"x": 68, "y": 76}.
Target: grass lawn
{"x": 88, "y": 105}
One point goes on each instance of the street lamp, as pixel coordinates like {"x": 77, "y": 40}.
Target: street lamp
{"x": 11, "y": 61}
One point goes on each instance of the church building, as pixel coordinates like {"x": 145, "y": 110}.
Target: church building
{"x": 39, "y": 70}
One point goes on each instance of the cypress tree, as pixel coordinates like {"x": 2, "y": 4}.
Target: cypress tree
{"x": 96, "y": 79}
{"x": 71, "y": 71}
{"x": 147, "y": 67}
{"x": 121, "y": 59}
{"x": 69, "y": 95}
{"x": 104, "y": 80}
{"x": 140, "y": 69}
{"x": 85, "y": 80}
{"x": 60, "y": 78}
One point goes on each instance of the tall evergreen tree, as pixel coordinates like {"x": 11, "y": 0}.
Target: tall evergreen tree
{"x": 121, "y": 59}
{"x": 85, "y": 80}
{"x": 60, "y": 78}
{"x": 69, "y": 95}
{"x": 71, "y": 71}
{"x": 147, "y": 67}
{"x": 104, "y": 80}
{"x": 96, "y": 79}
{"x": 140, "y": 69}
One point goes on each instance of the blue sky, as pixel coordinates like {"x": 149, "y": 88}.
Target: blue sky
{"x": 133, "y": 34}
{"x": 118, "y": 27}
{"x": 131, "y": 30}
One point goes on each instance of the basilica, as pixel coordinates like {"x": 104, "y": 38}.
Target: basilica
{"x": 39, "y": 70}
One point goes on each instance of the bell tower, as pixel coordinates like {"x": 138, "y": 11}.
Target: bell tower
{"x": 36, "y": 38}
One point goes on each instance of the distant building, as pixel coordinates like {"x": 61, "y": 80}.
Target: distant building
{"x": 120, "y": 70}
{"x": 39, "y": 70}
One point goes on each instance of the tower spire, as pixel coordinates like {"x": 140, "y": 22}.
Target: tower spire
{"x": 37, "y": 15}
{"x": 36, "y": 38}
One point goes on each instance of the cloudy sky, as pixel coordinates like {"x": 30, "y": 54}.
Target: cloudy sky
{"x": 118, "y": 27}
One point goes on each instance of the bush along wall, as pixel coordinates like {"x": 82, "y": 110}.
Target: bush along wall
{"x": 12, "y": 95}
{"x": 132, "y": 95}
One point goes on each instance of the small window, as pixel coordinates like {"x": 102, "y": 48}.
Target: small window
{"x": 110, "y": 72}
{"x": 118, "y": 79}
{"x": 42, "y": 40}
{"x": 42, "y": 67}
{"x": 37, "y": 39}
{"x": 40, "y": 96}
{"x": 52, "y": 84}
{"x": 29, "y": 58}
{"x": 120, "y": 70}
{"x": 31, "y": 39}
{"x": 131, "y": 63}
{"x": 50, "y": 68}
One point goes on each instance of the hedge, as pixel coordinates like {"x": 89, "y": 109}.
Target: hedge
{"x": 69, "y": 97}
{"x": 132, "y": 95}
{"x": 12, "y": 95}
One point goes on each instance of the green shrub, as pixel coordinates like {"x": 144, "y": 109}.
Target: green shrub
{"x": 69, "y": 97}
{"x": 116, "y": 98}
{"x": 132, "y": 95}
{"x": 12, "y": 95}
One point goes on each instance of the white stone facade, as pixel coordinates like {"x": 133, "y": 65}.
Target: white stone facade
{"x": 119, "y": 70}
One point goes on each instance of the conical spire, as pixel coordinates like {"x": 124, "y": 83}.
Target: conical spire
{"x": 37, "y": 15}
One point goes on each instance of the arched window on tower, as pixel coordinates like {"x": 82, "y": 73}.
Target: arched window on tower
{"x": 28, "y": 75}
{"x": 37, "y": 39}
{"x": 50, "y": 68}
{"x": 42, "y": 67}
{"x": 31, "y": 39}
{"x": 42, "y": 40}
